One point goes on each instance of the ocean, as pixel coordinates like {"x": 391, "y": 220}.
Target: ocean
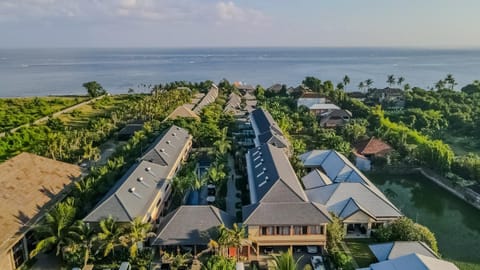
{"x": 40, "y": 72}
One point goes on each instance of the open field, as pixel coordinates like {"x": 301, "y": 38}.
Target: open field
{"x": 15, "y": 112}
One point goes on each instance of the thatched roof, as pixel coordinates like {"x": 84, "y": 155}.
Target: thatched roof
{"x": 28, "y": 183}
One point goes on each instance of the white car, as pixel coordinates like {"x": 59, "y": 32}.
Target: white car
{"x": 312, "y": 249}
{"x": 317, "y": 263}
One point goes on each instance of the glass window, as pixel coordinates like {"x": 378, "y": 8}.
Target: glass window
{"x": 18, "y": 253}
{"x": 283, "y": 230}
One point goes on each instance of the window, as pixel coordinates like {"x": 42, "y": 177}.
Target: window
{"x": 268, "y": 230}
{"x": 315, "y": 229}
{"x": 300, "y": 230}
{"x": 283, "y": 230}
{"x": 159, "y": 201}
{"x": 377, "y": 225}
{"x": 19, "y": 253}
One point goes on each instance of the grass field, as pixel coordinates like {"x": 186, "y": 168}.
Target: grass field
{"x": 462, "y": 145}
{"x": 15, "y": 112}
{"x": 360, "y": 251}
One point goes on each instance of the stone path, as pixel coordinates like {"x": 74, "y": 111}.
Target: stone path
{"x": 232, "y": 191}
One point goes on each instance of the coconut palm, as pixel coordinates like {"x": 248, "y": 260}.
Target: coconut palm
{"x": 406, "y": 87}
{"x": 53, "y": 231}
{"x": 361, "y": 86}
{"x": 223, "y": 145}
{"x": 110, "y": 236}
{"x": 440, "y": 85}
{"x": 82, "y": 238}
{"x": 285, "y": 261}
{"x": 346, "y": 81}
{"x": 450, "y": 80}
{"x": 391, "y": 80}
{"x": 400, "y": 80}
{"x": 136, "y": 233}
{"x": 340, "y": 86}
{"x": 368, "y": 83}
{"x": 231, "y": 237}
{"x": 216, "y": 172}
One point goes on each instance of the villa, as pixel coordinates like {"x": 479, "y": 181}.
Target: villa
{"x": 267, "y": 130}
{"x": 280, "y": 213}
{"x": 366, "y": 151}
{"x": 30, "y": 186}
{"x": 209, "y": 98}
{"x": 144, "y": 191}
{"x": 183, "y": 111}
{"x": 335, "y": 118}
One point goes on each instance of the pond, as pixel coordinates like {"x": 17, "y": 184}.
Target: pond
{"x": 455, "y": 223}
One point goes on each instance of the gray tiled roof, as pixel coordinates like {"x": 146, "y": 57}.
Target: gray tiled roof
{"x": 285, "y": 213}
{"x": 167, "y": 148}
{"x": 132, "y": 195}
{"x": 392, "y": 250}
{"x": 413, "y": 261}
{"x": 315, "y": 178}
{"x": 207, "y": 99}
{"x": 191, "y": 225}
{"x": 270, "y": 165}
{"x": 268, "y": 130}
{"x": 344, "y": 199}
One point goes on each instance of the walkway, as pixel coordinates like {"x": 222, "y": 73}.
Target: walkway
{"x": 232, "y": 199}
{"x": 349, "y": 253}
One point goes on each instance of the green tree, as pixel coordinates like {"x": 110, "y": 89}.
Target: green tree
{"x": 361, "y": 86}
{"x": 368, "y": 83}
{"x": 111, "y": 236}
{"x": 136, "y": 234}
{"x": 400, "y": 81}
{"x": 346, "y": 81}
{"x": 285, "y": 261}
{"x": 94, "y": 89}
{"x": 54, "y": 229}
{"x": 219, "y": 263}
{"x": 335, "y": 233}
{"x": 216, "y": 172}
{"x": 440, "y": 85}
{"x": 82, "y": 239}
{"x": 340, "y": 86}
{"x": 391, "y": 80}
{"x": 231, "y": 237}
{"x": 450, "y": 80}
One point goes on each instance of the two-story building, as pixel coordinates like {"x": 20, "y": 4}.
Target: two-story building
{"x": 280, "y": 213}
{"x": 144, "y": 191}
{"x": 267, "y": 130}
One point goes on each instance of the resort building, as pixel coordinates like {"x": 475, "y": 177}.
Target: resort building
{"x": 267, "y": 130}
{"x": 129, "y": 130}
{"x": 191, "y": 227}
{"x": 182, "y": 111}
{"x": 144, "y": 191}
{"x": 335, "y": 118}
{"x": 280, "y": 213}
{"x": 316, "y": 103}
{"x": 234, "y": 105}
{"x": 406, "y": 255}
{"x": 30, "y": 186}
{"x": 389, "y": 98}
{"x": 209, "y": 98}
{"x": 336, "y": 183}
{"x": 366, "y": 151}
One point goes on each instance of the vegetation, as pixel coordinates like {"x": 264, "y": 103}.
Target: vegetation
{"x": 15, "y": 112}
{"x": 404, "y": 229}
{"x": 94, "y": 89}
{"x": 285, "y": 261}
{"x": 361, "y": 252}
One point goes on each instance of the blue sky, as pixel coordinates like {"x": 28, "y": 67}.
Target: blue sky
{"x": 192, "y": 23}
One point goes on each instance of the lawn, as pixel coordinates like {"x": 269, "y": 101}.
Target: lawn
{"x": 465, "y": 265}
{"x": 360, "y": 251}
{"x": 462, "y": 145}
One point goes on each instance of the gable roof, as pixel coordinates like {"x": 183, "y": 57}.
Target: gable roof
{"x": 267, "y": 166}
{"x": 285, "y": 213}
{"x": 267, "y": 130}
{"x": 315, "y": 178}
{"x": 413, "y": 261}
{"x": 372, "y": 146}
{"x": 132, "y": 195}
{"x": 191, "y": 225}
{"x": 183, "y": 112}
{"x": 275, "y": 88}
{"x": 28, "y": 183}
{"x": 345, "y": 199}
{"x": 168, "y": 146}
{"x": 209, "y": 98}
{"x": 392, "y": 250}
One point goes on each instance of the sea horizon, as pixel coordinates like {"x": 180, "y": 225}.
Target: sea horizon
{"x": 62, "y": 71}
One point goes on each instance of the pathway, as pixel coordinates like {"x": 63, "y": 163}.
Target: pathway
{"x": 232, "y": 191}
{"x": 43, "y": 119}
{"x": 349, "y": 253}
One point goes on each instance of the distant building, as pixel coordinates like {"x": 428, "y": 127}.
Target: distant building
{"x": 276, "y": 88}
{"x": 244, "y": 88}
{"x": 209, "y": 98}
{"x": 129, "y": 130}
{"x": 335, "y": 118}
{"x": 30, "y": 185}
{"x": 234, "y": 105}
{"x": 390, "y": 98}
{"x": 144, "y": 190}
{"x": 367, "y": 150}
{"x": 183, "y": 111}
{"x": 357, "y": 95}
{"x": 316, "y": 103}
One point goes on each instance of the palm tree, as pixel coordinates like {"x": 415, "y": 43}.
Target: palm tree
{"x": 400, "y": 80}
{"x": 54, "y": 229}
{"x": 361, "y": 86}
{"x": 285, "y": 261}
{"x": 340, "y": 86}
{"x": 406, "y": 87}
{"x": 137, "y": 232}
{"x": 110, "y": 236}
{"x": 216, "y": 173}
{"x": 391, "y": 80}
{"x": 368, "y": 83}
{"x": 82, "y": 239}
{"x": 346, "y": 81}
{"x": 231, "y": 237}
{"x": 440, "y": 85}
{"x": 223, "y": 145}
{"x": 450, "y": 80}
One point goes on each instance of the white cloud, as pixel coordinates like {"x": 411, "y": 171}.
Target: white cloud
{"x": 230, "y": 12}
